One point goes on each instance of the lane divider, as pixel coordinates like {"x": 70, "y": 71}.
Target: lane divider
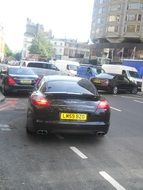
{"x": 111, "y": 180}
{"x": 138, "y": 101}
{"x": 116, "y": 109}
{"x": 4, "y": 127}
{"x": 78, "y": 152}
{"x": 132, "y": 97}
{"x": 59, "y": 136}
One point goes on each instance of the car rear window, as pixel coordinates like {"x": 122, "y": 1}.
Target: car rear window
{"x": 42, "y": 65}
{"x": 82, "y": 86}
{"x": 35, "y": 64}
{"x": 21, "y": 71}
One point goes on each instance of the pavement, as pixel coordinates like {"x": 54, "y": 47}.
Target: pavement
{"x": 2, "y": 97}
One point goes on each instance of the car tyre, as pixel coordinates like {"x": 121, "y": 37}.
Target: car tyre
{"x": 30, "y": 127}
{"x": 134, "y": 90}
{"x": 115, "y": 90}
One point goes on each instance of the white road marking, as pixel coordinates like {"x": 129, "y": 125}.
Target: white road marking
{"x": 59, "y": 136}
{"x": 132, "y": 97}
{"x": 111, "y": 180}
{"x": 138, "y": 101}
{"x": 4, "y": 127}
{"x": 115, "y": 109}
{"x": 78, "y": 152}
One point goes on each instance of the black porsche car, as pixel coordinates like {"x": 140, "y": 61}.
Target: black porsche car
{"x": 114, "y": 83}
{"x": 67, "y": 104}
{"x": 17, "y": 79}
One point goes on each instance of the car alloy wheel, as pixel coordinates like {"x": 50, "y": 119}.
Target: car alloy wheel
{"x": 115, "y": 90}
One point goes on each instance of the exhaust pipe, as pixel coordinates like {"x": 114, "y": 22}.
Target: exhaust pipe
{"x": 100, "y": 134}
{"x": 42, "y": 132}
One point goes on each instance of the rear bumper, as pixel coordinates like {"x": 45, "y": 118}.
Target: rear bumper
{"x": 19, "y": 88}
{"x": 72, "y": 127}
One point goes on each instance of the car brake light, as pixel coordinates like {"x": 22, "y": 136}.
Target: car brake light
{"x": 10, "y": 81}
{"x": 106, "y": 82}
{"x": 40, "y": 101}
{"x": 103, "y": 105}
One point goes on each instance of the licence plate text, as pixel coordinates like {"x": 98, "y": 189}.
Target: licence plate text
{"x": 26, "y": 81}
{"x": 73, "y": 116}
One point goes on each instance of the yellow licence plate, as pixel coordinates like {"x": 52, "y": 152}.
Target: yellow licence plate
{"x": 73, "y": 116}
{"x": 26, "y": 81}
{"x": 97, "y": 81}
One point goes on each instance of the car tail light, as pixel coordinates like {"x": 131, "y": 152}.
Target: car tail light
{"x": 106, "y": 82}
{"x": 36, "y": 80}
{"x": 40, "y": 101}
{"x": 10, "y": 81}
{"x": 103, "y": 105}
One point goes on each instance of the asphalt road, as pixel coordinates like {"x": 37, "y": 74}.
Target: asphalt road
{"x": 73, "y": 162}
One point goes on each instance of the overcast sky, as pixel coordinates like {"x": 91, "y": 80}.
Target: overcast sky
{"x": 66, "y": 18}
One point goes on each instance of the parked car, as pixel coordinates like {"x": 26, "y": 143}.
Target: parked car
{"x": 130, "y": 72}
{"x": 114, "y": 83}
{"x": 39, "y": 64}
{"x": 67, "y": 104}
{"x": 68, "y": 67}
{"x": 89, "y": 71}
{"x": 15, "y": 79}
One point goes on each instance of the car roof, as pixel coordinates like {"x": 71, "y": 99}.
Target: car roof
{"x": 62, "y": 77}
{"x": 89, "y": 65}
{"x": 36, "y": 61}
{"x": 107, "y": 75}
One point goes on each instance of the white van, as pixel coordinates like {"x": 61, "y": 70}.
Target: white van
{"x": 130, "y": 72}
{"x": 69, "y": 67}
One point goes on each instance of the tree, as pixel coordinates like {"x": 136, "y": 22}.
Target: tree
{"x": 40, "y": 45}
{"x": 7, "y": 51}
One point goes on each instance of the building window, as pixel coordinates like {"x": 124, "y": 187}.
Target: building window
{"x": 133, "y": 28}
{"x": 115, "y": 8}
{"x": 134, "y": 6}
{"x": 99, "y": 21}
{"x": 97, "y": 31}
{"x": 101, "y": 1}
{"x": 100, "y": 11}
{"x": 112, "y": 29}
{"x": 131, "y": 17}
{"x": 113, "y": 18}
{"x": 139, "y": 17}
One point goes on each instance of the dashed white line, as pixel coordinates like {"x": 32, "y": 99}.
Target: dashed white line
{"x": 132, "y": 97}
{"x": 138, "y": 101}
{"x": 111, "y": 180}
{"x": 59, "y": 136}
{"x": 115, "y": 109}
{"x": 78, "y": 152}
{"x": 4, "y": 127}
